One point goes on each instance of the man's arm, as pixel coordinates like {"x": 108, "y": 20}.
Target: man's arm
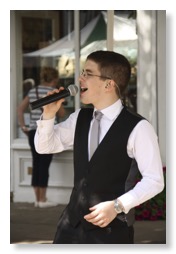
{"x": 143, "y": 146}
{"x": 50, "y": 138}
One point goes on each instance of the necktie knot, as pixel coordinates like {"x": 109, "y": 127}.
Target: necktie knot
{"x": 98, "y": 115}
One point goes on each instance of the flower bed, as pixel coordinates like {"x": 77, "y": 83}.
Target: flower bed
{"x": 155, "y": 208}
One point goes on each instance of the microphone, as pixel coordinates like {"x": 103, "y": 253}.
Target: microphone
{"x": 71, "y": 90}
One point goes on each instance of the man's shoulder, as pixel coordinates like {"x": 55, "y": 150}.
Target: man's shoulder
{"x": 133, "y": 114}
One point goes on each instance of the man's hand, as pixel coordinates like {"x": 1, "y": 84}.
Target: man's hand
{"x": 49, "y": 111}
{"x": 101, "y": 214}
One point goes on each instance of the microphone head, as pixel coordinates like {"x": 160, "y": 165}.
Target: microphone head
{"x": 73, "y": 90}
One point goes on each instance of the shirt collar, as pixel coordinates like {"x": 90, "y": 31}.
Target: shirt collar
{"x": 113, "y": 110}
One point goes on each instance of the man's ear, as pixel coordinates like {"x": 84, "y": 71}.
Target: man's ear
{"x": 108, "y": 84}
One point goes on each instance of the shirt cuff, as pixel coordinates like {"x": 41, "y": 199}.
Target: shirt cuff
{"x": 45, "y": 125}
{"x": 128, "y": 201}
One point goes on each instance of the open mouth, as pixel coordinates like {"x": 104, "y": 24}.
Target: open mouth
{"x": 83, "y": 89}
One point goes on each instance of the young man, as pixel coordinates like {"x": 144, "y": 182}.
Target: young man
{"x": 105, "y": 192}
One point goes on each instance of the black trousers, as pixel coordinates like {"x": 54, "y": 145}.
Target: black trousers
{"x": 41, "y": 163}
{"x": 117, "y": 232}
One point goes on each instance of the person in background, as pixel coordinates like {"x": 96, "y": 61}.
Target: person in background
{"x": 41, "y": 162}
{"x": 28, "y": 84}
{"x": 105, "y": 192}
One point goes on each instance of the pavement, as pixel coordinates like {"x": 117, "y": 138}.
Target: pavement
{"x": 31, "y": 225}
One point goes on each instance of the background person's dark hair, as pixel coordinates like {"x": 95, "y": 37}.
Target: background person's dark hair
{"x": 48, "y": 74}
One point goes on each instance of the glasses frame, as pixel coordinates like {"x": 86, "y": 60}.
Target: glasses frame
{"x": 85, "y": 75}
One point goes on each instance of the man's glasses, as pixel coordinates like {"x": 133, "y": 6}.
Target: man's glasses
{"x": 87, "y": 75}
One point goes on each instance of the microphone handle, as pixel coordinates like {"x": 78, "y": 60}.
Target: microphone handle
{"x": 50, "y": 98}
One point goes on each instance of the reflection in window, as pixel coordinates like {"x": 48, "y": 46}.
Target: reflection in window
{"x": 48, "y": 40}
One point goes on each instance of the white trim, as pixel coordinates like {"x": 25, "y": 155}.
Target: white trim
{"x": 146, "y": 73}
{"x": 161, "y": 81}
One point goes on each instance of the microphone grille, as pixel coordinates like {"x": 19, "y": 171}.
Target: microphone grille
{"x": 73, "y": 90}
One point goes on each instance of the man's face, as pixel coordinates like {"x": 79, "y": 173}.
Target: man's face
{"x": 91, "y": 86}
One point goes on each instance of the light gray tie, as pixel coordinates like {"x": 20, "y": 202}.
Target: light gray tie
{"x": 94, "y": 135}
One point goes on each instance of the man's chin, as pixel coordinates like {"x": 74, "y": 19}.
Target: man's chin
{"x": 85, "y": 102}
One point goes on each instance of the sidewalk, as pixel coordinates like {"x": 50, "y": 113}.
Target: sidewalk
{"x": 36, "y": 225}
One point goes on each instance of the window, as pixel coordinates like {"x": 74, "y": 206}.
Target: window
{"x": 47, "y": 39}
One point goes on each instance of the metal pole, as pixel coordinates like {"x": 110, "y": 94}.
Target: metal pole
{"x": 77, "y": 56}
{"x": 110, "y": 29}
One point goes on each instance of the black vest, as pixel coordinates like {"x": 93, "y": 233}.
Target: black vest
{"x": 103, "y": 178}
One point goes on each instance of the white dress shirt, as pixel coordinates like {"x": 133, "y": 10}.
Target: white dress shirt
{"x": 142, "y": 145}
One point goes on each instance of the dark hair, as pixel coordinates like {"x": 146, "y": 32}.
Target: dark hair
{"x": 113, "y": 65}
{"x": 48, "y": 74}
